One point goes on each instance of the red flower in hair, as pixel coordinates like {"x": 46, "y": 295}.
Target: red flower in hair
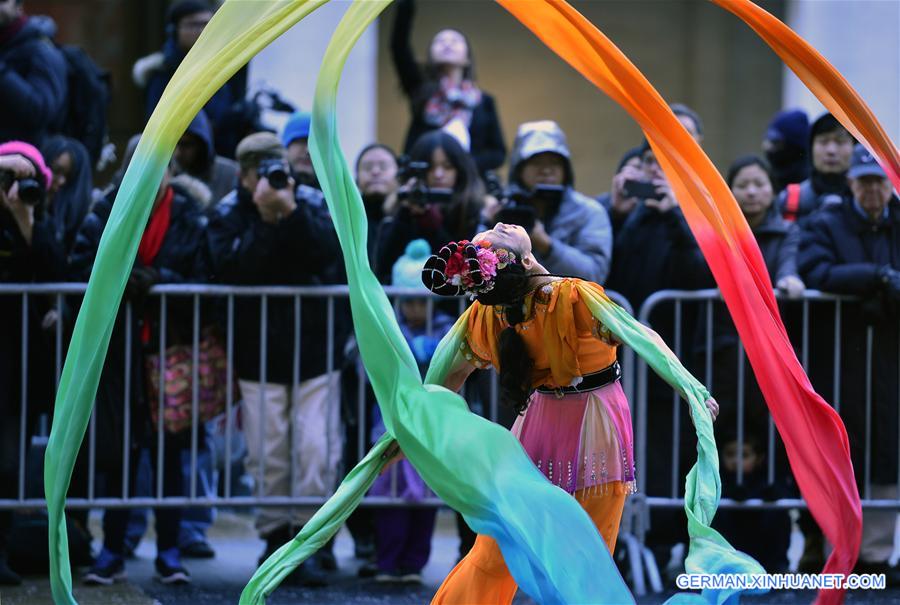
{"x": 456, "y": 265}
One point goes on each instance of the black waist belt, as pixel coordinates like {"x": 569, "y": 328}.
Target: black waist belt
{"x": 590, "y": 382}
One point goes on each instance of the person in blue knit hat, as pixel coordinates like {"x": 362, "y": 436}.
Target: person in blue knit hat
{"x": 403, "y": 535}
{"x": 787, "y": 147}
{"x": 295, "y": 138}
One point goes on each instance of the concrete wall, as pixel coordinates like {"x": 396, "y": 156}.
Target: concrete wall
{"x": 691, "y": 51}
{"x": 291, "y": 65}
{"x": 861, "y": 38}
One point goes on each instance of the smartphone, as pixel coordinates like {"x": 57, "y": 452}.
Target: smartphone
{"x": 641, "y": 190}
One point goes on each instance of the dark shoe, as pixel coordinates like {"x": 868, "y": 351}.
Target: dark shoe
{"x": 813, "y": 558}
{"x": 275, "y": 540}
{"x": 326, "y": 558}
{"x": 7, "y": 576}
{"x": 108, "y": 568}
{"x": 169, "y": 569}
{"x": 364, "y": 548}
{"x": 197, "y": 550}
{"x": 369, "y": 569}
{"x": 309, "y": 574}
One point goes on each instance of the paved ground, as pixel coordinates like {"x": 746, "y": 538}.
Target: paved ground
{"x": 220, "y": 580}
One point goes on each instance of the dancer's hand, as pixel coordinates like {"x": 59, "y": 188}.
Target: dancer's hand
{"x": 713, "y": 407}
{"x": 393, "y": 454}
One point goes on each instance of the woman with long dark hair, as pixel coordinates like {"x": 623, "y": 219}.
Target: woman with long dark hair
{"x": 70, "y": 194}
{"x": 444, "y": 91}
{"x": 443, "y": 205}
{"x": 557, "y": 368}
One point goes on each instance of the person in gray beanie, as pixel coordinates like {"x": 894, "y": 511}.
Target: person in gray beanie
{"x": 572, "y": 237}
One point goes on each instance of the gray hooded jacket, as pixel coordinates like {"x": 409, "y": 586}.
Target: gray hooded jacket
{"x": 580, "y": 231}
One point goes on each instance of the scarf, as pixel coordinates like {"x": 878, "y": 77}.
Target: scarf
{"x": 451, "y": 101}
{"x": 152, "y": 240}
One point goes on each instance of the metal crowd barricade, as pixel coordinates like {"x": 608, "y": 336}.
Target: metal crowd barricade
{"x": 710, "y": 298}
{"x": 62, "y": 293}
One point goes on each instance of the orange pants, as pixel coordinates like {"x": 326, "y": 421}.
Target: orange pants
{"x": 482, "y": 577}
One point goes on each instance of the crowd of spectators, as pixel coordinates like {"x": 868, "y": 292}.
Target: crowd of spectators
{"x": 821, "y": 208}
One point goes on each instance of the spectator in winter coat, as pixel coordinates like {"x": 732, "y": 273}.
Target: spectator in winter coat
{"x": 376, "y": 177}
{"x": 33, "y": 76}
{"x": 71, "y": 191}
{"x": 830, "y": 150}
{"x": 617, "y": 201}
{"x": 186, "y": 20}
{"x": 167, "y": 254}
{"x": 574, "y": 237}
{"x": 28, "y": 253}
{"x": 264, "y": 235}
{"x": 295, "y": 138}
{"x": 418, "y": 213}
{"x": 444, "y": 93}
{"x": 195, "y": 154}
{"x": 853, "y": 248}
{"x": 787, "y": 147}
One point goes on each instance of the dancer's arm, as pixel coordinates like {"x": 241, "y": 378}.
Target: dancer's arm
{"x": 651, "y": 347}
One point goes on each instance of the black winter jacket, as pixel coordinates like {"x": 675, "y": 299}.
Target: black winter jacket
{"x": 176, "y": 263}
{"x": 21, "y": 262}
{"x": 486, "y": 144}
{"x": 301, "y": 249}
{"x": 841, "y": 252}
{"x": 33, "y": 81}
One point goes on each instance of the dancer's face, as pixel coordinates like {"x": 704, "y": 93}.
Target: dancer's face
{"x": 509, "y": 237}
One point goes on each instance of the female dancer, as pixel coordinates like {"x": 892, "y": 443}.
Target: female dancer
{"x": 558, "y": 368}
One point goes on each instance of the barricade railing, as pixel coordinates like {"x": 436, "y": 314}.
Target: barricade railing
{"x": 709, "y": 299}
{"x": 64, "y": 296}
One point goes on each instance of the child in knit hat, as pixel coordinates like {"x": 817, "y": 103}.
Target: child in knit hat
{"x": 403, "y": 535}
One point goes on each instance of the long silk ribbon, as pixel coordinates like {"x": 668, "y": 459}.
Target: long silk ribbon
{"x": 238, "y": 31}
{"x": 814, "y": 434}
{"x": 823, "y": 80}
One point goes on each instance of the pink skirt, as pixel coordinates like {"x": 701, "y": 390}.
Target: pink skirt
{"x": 580, "y": 440}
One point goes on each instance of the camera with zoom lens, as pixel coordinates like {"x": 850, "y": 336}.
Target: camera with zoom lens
{"x": 276, "y": 171}
{"x": 518, "y": 204}
{"x": 419, "y": 194}
{"x": 31, "y": 191}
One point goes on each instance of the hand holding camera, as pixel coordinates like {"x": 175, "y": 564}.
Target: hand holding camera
{"x": 519, "y": 206}
{"x": 662, "y": 199}
{"x": 624, "y": 195}
{"x": 20, "y": 192}
{"x": 415, "y": 193}
{"x": 274, "y": 194}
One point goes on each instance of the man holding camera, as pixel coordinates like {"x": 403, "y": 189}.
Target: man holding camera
{"x": 271, "y": 232}
{"x": 570, "y": 232}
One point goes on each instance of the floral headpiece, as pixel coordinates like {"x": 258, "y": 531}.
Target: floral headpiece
{"x": 463, "y": 267}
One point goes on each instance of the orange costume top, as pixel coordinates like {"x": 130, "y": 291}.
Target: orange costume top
{"x": 564, "y": 339}
{"x": 578, "y": 440}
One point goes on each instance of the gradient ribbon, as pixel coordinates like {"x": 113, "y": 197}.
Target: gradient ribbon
{"x": 814, "y": 436}
{"x": 491, "y": 498}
